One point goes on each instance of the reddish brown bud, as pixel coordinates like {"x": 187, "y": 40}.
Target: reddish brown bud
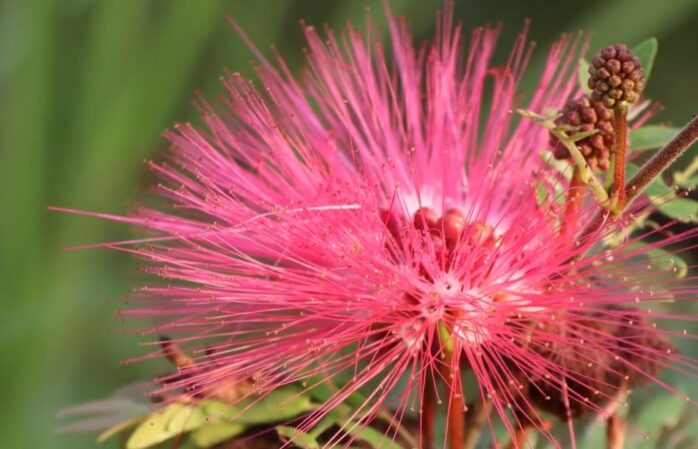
{"x": 451, "y": 225}
{"x": 611, "y": 68}
{"x": 425, "y": 219}
{"x": 480, "y": 234}
{"x": 588, "y": 115}
{"x": 391, "y": 223}
{"x": 613, "y": 65}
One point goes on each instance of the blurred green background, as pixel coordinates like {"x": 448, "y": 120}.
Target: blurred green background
{"x": 86, "y": 89}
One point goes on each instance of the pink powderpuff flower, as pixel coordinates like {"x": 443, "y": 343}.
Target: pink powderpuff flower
{"x": 377, "y": 222}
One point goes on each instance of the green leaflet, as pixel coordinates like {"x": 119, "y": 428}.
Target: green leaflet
{"x": 687, "y": 178}
{"x": 322, "y": 389}
{"x": 682, "y": 435}
{"x": 646, "y": 51}
{"x": 212, "y": 434}
{"x": 682, "y": 209}
{"x": 664, "y": 197}
{"x": 174, "y": 420}
{"x": 308, "y": 440}
{"x": 688, "y": 183}
{"x": 278, "y": 405}
{"x": 301, "y": 439}
{"x": 376, "y": 439}
{"x": 664, "y": 410}
{"x": 594, "y": 436}
{"x": 211, "y": 422}
{"x": 117, "y": 429}
{"x": 666, "y": 261}
{"x": 651, "y": 137}
{"x": 562, "y": 167}
{"x": 662, "y": 260}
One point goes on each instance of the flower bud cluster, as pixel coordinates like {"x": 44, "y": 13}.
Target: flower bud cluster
{"x": 588, "y": 115}
{"x": 616, "y": 75}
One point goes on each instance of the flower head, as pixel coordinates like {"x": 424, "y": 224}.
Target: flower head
{"x": 379, "y": 223}
{"x": 616, "y": 75}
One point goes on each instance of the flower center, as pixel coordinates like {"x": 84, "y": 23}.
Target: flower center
{"x": 452, "y": 255}
{"x": 451, "y": 235}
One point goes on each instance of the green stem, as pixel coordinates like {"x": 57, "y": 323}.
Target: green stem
{"x": 586, "y": 174}
{"x": 456, "y": 405}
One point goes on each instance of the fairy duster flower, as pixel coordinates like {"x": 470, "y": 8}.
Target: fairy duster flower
{"x": 377, "y": 221}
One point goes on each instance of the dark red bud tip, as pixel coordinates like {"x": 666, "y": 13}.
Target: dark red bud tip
{"x": 425, "y": 219}
{"x": 451, "y": 225}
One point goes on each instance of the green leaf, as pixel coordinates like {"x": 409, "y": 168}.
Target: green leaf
{"x": 175, "y": 419}
{"x": 583, "y": 75}
{"x": 664, "y": 197}
{"x": 322, "y": 389}
{"x": 594, "y": 436}
{"x": 688, "y": 183}
{"x": 661, "y": 259}
{"x": 650, "y": 137}
{"x": 687, "y": 178}
{"x": 278, "y": 405}
{"x": 663, "y": 411}
{"x": 117, "y": 429}
{"x": 666, "y": 261}
{"x": 308, "y": 440}
{"x": 371, "y": 436}
{"x": 646, "y": 51}
{"x": 682, "y": 209}
{"x": 298, "y": 438}
{"x": 541, "y": 193}
{"x": 212, "y": 421}
{"x": 215, "y": 433}
{"x": 562, "y": 167}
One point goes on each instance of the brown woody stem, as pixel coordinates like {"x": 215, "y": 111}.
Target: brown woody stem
{"x": 649, "y": 172}
{"x": 662, "y": 159}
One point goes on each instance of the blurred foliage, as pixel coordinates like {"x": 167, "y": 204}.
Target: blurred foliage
{"x": 87, "y": 87}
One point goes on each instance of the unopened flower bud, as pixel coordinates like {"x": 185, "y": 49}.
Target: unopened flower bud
{"x": 425, "y": 219}
{"x": 588, "y": 115}
{"x": 616, "y": 75}
{"x": 451, "y": 224}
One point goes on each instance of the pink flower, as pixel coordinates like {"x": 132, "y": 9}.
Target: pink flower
{"x": 378, "y": 222}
